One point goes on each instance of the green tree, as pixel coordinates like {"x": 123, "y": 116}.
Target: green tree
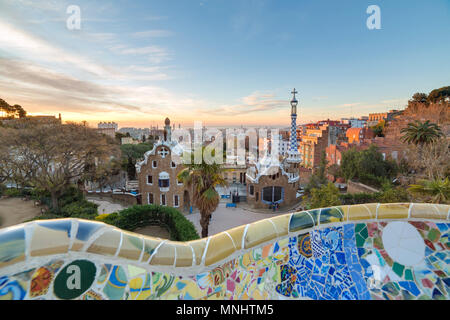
{"x": 378, "y": 129}
{"x": 203, "y": 178}
{"x": 421, "y": 133}
{"x": 131, "y": 153}
{"x": 326, "y": 196}
{"x": 368, "y": 166}
{"x": 419, "y": 97}
{"x": 322, "y": 169}
{"x": 438, "y": 95}
{"x": 437, "y": 189}
{"x": 349, "y": 163}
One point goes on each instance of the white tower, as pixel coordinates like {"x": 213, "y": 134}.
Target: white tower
{"x": 293, "y": 154}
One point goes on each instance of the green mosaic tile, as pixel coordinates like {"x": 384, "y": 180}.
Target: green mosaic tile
{"x": 398, "y": 269}
{"x": 434, "y": 235}
{"x": 359, "y": 240}
{"x": 315, "y": 214}
{"x": 409, "y": 275}
{"x": 299, "y": 221}
{"x": 331, "y": 215}
{"x": 359, "y": 227}
{"x": 364, "y": 233}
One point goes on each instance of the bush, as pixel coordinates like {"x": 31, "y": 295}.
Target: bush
{"x": 180, "y": 228}
{"x": 391, "y": 195}
{"x": 326, "y": 196}
{"x": 13, "y": 192}
{"x": 359, "y": 198}
{"x": 80, "y": 209}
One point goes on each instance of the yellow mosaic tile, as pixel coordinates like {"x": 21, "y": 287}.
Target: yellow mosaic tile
{"x": 259, "y": 232}
{"x": 131, "y": 246}
{"x": 443, "y": 210}
{"x": 359, "y": 212}
{"x": 344, "y": 210}
{"x": 220, "y": 246}
{"x": 48, "y": 241}
{"x": 165, "y": 256}
{"x": 184, "y": 254}
{"x": 106, "y": 244}
{"x": 372, "y": 208}
{"x": 282, "y": 224}
{"x": 149, "y": 247}
{"x": 199, "y": 248}
{"x": 428, "y": 211}
{"x": 393, "y": 211}
{"x": 237, "y": 234}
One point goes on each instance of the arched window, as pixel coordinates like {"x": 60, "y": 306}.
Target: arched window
{"x": 273, "y": 194}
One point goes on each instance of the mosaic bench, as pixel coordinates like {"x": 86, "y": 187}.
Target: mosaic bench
{"x": 369, "y": 251}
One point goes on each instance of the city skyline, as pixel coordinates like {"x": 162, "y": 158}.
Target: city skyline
{"x": 222, "y": 62}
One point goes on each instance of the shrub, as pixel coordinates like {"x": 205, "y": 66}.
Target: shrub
{"x": 359, "y": 198}
{"x": 326, "y": 196}
{"x": 80, "y": 209}
{"x": 13, "y": 192}
{"x": 180, "y": 228}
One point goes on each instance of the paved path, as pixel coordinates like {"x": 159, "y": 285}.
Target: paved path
{"x": 15, "y": 211}
{"x": 226, "y": 218}
{"x": 106, "y": 206}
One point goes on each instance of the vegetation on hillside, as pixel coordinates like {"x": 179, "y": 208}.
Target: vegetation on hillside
{"x": 368, "y": 167}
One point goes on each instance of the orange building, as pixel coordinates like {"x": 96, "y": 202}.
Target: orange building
{"x": 357, "y": 135}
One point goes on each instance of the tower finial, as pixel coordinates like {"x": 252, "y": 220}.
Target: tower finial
{"x": 294, "y": 92}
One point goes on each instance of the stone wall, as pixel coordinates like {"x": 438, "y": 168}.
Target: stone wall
{"x": 369, "y": 251}
{"x": 356, "y": 187}
{"x": 126, "y": 198}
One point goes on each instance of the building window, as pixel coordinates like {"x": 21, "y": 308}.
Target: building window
{"x": 150, "y": 198}
{"x": 174, "y": 165}
{"x": 163, "y": 199}
{"x": 176, "y": 201}
{"x": 179, "y": 182}
{"x": 154, "y": 164}
{"x": 251, "y": 190}
{"x": 164, "y": 181}
{"x": 272, "y": 194}
{"x": 150, "y": 180}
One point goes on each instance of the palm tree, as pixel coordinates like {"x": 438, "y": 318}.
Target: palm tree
{"x": 438, "y": 189}
{"x": 203, "y": 178}
{"x": 421, "y": 133}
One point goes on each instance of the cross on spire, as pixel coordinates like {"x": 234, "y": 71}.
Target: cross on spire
{"x": 163, "y": 152}
{"x": 294, "y": 92}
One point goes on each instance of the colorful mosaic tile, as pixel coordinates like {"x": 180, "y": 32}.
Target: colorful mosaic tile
{"x": 389, "y": 260}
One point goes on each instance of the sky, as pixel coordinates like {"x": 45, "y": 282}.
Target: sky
{"x": 222, "y": 62}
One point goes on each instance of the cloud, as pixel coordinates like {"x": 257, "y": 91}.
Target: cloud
{"x": 155, "y": 53}
{"x": 46, "y": 90}
{"x": 256, "y": 102}
{"x": 24, "y": 44}
{"x": 350, "y": 104}
{"x": 152, "y": 34}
